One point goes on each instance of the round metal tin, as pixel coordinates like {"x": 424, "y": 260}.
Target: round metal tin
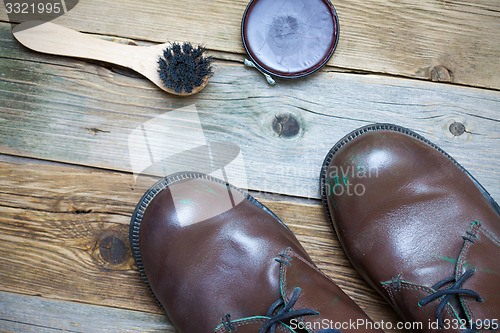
{"x": 290, "y": 38}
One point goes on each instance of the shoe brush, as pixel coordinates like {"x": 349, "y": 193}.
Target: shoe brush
{"x": 178, "y": 68}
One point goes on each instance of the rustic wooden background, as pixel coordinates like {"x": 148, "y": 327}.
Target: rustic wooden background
{"x": 67, "y": 188}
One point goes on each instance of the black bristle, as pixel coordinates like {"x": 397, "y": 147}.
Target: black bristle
{"x": 176, "y": 48}
{"x": 187, "y": 48}
{"x": 183, "y": 68}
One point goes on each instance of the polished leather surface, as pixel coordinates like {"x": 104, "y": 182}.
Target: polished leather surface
{"x": 405, "y": 228}
{"x": 205, "y": 257}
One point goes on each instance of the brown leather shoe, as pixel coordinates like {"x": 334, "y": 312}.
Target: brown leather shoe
{"x": 219, "y": 261}
{"x": 417, "y": 226}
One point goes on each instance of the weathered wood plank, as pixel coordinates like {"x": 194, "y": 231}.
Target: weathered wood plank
{"x": 440, "y": 40}
{"x": 71, "y": 111}
{"x": 64, "y": 235}
{"x": 20, "y": 313}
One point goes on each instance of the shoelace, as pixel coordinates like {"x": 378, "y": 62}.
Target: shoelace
{"x": 449, "y": 293}
{"x": 283, "y": 314}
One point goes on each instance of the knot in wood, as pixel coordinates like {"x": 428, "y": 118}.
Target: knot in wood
{"x": 441, "y": 74}
{"x": 457, "y": 128}
{"x": 286, "y": 125}
{"x": 112, "y": 249}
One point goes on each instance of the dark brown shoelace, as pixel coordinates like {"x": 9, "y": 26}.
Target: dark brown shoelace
{"x": 448, "y": 293}
{"x": 282, "y": 315}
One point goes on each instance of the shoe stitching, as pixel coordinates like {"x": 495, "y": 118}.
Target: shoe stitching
{"x": 283, "y": 279}
{"x": 468, "y": 241}
{"x": 241, "y": 322}
{"x": 388, "y": 286}
{"x": 284, "y": 268}
{"x": 490, "y": 235}
{"x": 468, "y": 310}
{"x": 314, "y": 267}
{"x": 393, "y": 300}
{"x": 475, "y": 227}
{"x": 461, "y": 262}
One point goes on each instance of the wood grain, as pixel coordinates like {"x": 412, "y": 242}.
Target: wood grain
{"x": 56, "y": 39}
{"x": 65, "y": 262}
{"x": 455, "y": 41}
{"x": 82, "y": 113}
{"x": 64, "y": 235}
{"x": 20, "y": 313}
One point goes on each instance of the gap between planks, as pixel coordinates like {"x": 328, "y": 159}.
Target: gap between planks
{"x": 449, "y": 41}
{"x": 64, "y": 235}
{"x": 21, "y": 313}
{"x": 71, "y": 111}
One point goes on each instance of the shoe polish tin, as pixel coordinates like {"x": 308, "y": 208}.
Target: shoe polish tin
{"x": 290, "y": 38}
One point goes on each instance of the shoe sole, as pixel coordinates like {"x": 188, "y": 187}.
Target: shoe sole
{"x": 135, "y": 223}
{"x": 388, "y": 127}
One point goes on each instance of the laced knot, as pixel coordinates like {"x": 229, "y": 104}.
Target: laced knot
{"x": 284, "y": 313}
{"x": 448, "y": 293}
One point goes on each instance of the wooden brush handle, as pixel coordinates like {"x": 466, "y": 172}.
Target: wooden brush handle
{"x": 55, "y": 39}
{"x": 51, "y": 38}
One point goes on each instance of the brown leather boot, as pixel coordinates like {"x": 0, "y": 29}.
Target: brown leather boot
{"x": 417, "y": 226}
{"x": 219, "y": 261}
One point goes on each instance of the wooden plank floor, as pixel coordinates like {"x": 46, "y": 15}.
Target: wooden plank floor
{"x": 68, "y": 149}
{"x": 441, "y": 40}
{"x": 64, "y": 236}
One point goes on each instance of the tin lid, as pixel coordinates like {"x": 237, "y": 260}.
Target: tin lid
{"x": 290, "y": 38}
